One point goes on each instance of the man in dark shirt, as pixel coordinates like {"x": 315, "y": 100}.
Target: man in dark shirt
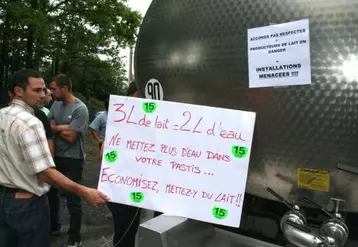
{"x": 125, "y": 217}
{"x": 46, "y": 122}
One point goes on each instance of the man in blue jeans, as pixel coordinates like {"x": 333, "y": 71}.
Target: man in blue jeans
{"x": 125, "y": 217}
{"x": 69, "y": 121}
{"x": 41, "y": 116}
{"x": 27, "y": 168}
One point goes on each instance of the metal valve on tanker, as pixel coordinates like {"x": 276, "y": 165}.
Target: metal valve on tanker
{"x": 333, "y": 232}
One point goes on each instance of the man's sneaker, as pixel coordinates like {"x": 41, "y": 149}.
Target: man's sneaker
{"x": 73, "y": 244}
{"x": 58, "y": 232}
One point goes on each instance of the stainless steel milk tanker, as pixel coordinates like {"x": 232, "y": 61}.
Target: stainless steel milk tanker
{"x": 305, "y": 140}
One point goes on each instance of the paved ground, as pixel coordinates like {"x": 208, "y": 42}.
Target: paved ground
{"x": 97, "y": 225}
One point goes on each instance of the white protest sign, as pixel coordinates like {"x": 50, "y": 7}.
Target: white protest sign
{"x": 181, "y": 159}
{"x": 279, "y": 55}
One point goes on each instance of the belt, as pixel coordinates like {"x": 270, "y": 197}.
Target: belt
{"x": 7, "y": 189}
{"x": 15, "y": 193}
{"x": 12, "y": 191}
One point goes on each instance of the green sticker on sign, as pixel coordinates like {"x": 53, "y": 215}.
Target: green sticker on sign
{"x": 220, "y": 213}
{"x": 149, "y": 107}
{"x": 137, "y": 197}
{"x": 239, "y": 152}
{"x": 111, "y": 156}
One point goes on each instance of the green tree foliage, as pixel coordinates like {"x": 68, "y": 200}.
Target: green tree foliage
{"x": 68, "y": 36}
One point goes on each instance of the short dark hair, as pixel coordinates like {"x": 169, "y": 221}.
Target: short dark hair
{"x": 21, "y": 79}
{"x": 106, "y": 101}
{"x": 132, "y": 88}
{"x": 63, "y": 80}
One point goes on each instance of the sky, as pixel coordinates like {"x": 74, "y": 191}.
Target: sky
{"x": 141, "y": 6}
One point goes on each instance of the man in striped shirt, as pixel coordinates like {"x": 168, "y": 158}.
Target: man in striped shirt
{"x": 44, "y": 120}
{"x": 27, "y": 168}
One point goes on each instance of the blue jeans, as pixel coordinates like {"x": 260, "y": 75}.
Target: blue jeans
{"x": 24, "y": 222}
{"x": 71, "y": 168}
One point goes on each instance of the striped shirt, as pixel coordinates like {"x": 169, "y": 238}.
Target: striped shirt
{"x": 24, "y": 150}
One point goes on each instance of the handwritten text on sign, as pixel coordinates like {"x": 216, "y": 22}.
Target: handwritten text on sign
{"x": 182, "y": 159}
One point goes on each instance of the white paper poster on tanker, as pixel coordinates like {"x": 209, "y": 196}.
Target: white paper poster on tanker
{"x": 181, "y": 159}
{"x": 279, "y": 55}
